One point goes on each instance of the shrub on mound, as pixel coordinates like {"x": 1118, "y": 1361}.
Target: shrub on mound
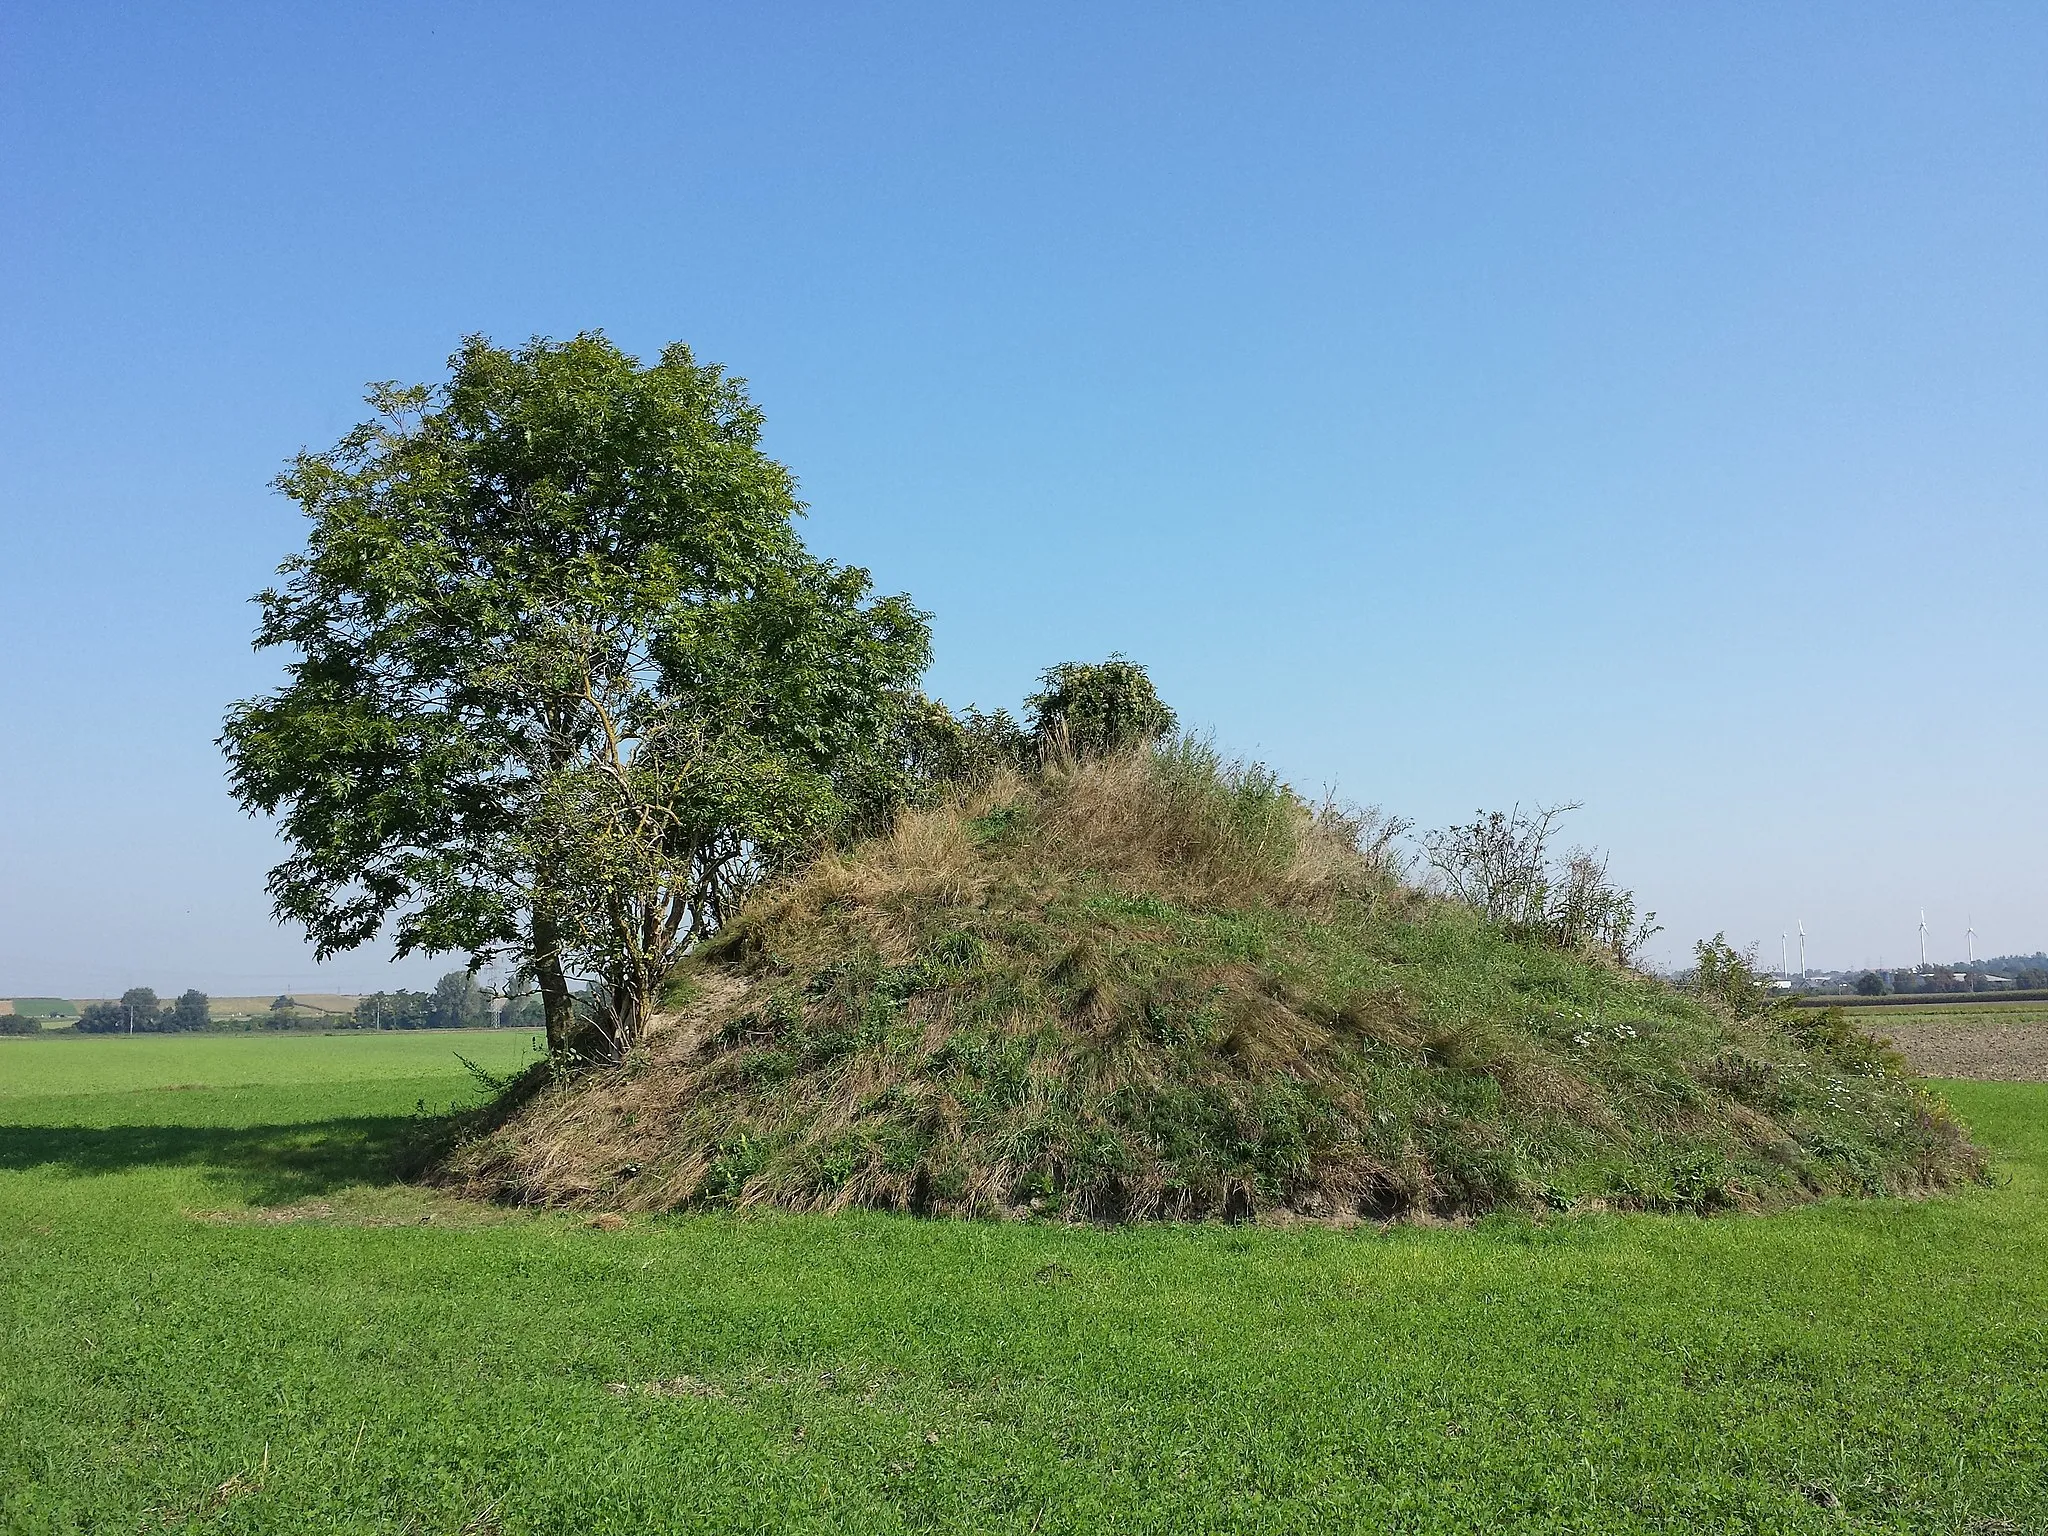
{"x": 1160, "y": 985}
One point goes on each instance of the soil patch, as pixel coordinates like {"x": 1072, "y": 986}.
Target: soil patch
{"x": 2013, "y": 1053}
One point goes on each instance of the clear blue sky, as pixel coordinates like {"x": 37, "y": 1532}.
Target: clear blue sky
{"x": 1644, "y": 405}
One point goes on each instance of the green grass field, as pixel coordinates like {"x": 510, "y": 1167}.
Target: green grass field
{"x": 217, "y": 1314}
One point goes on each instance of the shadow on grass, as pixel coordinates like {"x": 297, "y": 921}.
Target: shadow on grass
{"x": 260, "y": 1164}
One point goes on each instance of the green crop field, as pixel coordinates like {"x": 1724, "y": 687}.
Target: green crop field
{"x": 1973, "y": 1004}
{"x": 42, "y": 1007}
{"x": 217, "y": 1313}
{"x": 2000, "y": 1012}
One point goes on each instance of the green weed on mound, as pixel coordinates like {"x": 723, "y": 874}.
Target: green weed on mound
{"x": 1162, "y": 987}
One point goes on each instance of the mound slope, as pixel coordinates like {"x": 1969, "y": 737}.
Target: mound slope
{"x": 1159, "y": 986}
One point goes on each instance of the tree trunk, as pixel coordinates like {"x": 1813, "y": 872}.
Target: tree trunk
{"x": 628, "y": 1014}
{"x": 555, "y": 1001}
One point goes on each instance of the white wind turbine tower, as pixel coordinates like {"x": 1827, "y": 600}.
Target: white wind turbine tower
{"x": 1802, "y": 949}
{"x": 1784, "y": 961}
{"x": 1972, "y": 936}
{"x": 1923, "y": 938}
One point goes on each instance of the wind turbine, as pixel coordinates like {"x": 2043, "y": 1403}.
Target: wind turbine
{"x": 1784, "y": 964}
{"x": 1923, "y": 938}
{"x": 1972, "y": 935}
{"x": 1802, "y": 949}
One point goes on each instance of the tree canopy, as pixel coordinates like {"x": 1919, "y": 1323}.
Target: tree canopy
{"x": 141, "y": 1011}
{"x": 566, "y": 680}
{"x": 1093, "y": 709}
{"x": 458, "y": 1003}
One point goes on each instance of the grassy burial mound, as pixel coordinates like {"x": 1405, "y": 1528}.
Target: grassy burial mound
{"x": 1161, "y": 986}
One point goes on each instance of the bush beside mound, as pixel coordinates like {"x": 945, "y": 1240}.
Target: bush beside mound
{"x": 1160, "y": 985}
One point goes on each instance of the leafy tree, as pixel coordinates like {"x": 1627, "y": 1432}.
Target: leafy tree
{"x": 567, "y": 681}
{"x": 522, "y": 1011}
{"x": 393, "y": 1010}
{"x": 136, "y": 1012}
{"x": 943, "y": 750}
{"x": 990, "y": 742}
{"x": 12, "y": 1023}
{"x": 192, "y": 1010}
{"x": 1870, "y": 984}
{"x": 1091, "y": 709}
{"x": 1722, "y": 971}
{"x": 458, "y": 1003}
{"x": 284, "y": 1013}
{"x": 102, "y": 1019}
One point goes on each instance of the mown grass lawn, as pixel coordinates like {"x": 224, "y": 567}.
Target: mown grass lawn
{"x": 216, "y": 1313}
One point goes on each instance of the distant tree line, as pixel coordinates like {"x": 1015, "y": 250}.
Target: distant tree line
{"x": 457, "y": 1002}
{"x": 141, "y": 1012}
{"x": 2024, "y": 973}
{"x": 2029, "y": 971}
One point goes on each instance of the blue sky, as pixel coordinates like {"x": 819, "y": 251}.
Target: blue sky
{"x": 1646, "y": 406}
